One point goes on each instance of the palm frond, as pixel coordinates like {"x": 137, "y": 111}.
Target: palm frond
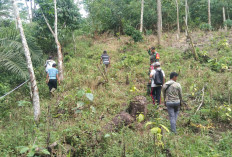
{"x": 12, "y": 53}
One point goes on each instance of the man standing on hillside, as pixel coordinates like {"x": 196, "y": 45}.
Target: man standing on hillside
{"x": 157, "y": 80}
{"x": 172, "y": 97}
{"x": 153, "y": 54}
{"x": 49, "y": 63}
{"x": 105, "y": 58}
{"x": 52, "y": 78}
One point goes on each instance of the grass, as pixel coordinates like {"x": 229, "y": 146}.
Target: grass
{"x": 80, "y": 134}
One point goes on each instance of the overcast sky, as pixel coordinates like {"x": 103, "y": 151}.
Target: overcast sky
{"x": 80, "y": 5}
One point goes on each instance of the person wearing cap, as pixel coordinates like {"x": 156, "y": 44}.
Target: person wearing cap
{"x": 153, "y": 54}
{"x": 52, "y": 78}
{"x": 49, "y": 63}
{"x": 157, "y": 77}
{"x": 105, "y": 59}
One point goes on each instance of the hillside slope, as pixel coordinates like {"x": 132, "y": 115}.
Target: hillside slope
{"x": 75, "y": 122}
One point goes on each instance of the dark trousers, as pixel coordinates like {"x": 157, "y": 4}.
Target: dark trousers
{"x": 156, "y": 94}
{"x": 52, "y": 84}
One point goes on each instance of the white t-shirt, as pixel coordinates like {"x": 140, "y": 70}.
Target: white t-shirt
{"x": 152, "y": 81}
{"x": 49, "y": 64}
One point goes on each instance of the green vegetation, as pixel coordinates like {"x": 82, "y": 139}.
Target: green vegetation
{"x": 84, "y": 104}
{"x": 74, "y": 121}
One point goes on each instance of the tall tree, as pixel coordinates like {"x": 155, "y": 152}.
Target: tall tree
{"x": 28, "y": 10}
{"x": 141, "y": 19}
{"x": 59, "y": 53}
{"x": 224, "y": 17}
{"x": 186, "y": 14}
{"x": 159, "y": 21}
{"x": 58, "y": 45}
{"x": 31, "y": 9}
{"x": 35, "y": 92}
{"x": 177, "y": 20}
{"x": 209, "y": 13}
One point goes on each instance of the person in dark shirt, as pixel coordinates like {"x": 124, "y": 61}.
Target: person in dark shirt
{"x": 105, "y": 59}
{"x": 153, "y": 54}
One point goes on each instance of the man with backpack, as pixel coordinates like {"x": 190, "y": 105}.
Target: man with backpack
{"x": 105, "y": 59}
{"x": 52, "y": 78}
{"x": 153, "y": 54}
{"x": 157, "y": 80}
{"x": 172, "y": 97}
{"x": 49, "y": 63}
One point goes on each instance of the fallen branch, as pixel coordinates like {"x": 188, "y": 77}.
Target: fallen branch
{"x": 202, "y": 100}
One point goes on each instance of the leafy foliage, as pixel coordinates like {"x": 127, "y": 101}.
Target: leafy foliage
{"x": 12, "y": 53}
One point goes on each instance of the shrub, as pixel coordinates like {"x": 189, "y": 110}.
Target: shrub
{"x": 206, "y": 27}
{"x": 228, "y": 23}
{"x": 149, "y": 32}
{"x": 135, "y": 34}
{"x": 129, "y": 30}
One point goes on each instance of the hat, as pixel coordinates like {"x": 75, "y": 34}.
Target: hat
{"x": 157, "y": 64}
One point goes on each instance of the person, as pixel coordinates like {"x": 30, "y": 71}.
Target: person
{"x": 52, "y": 78}
{"x": 152, "y": 61}
{"x": 157, "y": 80}
{"x": 172, "y": 97}
{"x": 153, "y": 54}
{"x": 105, "y": 59}
{"x": 49, "y": 63}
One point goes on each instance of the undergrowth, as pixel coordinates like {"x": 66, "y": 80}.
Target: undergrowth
{"x": 85, "y": 102}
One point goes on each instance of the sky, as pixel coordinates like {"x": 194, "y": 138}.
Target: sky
{"x": 80, "y": 5}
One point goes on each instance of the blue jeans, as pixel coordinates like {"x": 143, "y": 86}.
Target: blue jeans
{"x": 173, "y": 111}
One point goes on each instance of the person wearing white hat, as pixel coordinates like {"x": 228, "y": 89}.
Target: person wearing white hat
{"x": 157, "y": 76}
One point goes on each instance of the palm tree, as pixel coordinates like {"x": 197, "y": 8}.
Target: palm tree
{"x": 12, "y": 54}
{"x": 5, "y": 9}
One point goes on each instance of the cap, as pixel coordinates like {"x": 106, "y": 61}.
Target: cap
{"x": 157, "y": 64}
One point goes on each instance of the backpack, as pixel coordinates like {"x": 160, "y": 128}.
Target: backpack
{"x": 158, "y": 77}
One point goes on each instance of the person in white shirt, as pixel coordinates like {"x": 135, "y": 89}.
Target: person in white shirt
{"x": 157, "y": 76}
{"x": 49, "y": 63}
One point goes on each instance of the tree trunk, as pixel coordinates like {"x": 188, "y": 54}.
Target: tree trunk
{"x": 177, "y": 20}
{"x": 141, "y": 19}
{"x": 224, "y": 17}
{"x": 159, "y": 21}
{"x": 209, "y": 13}
{"x": 186, "y": 14}
{"x": 59, "y": 53}
{"x": 31, "y": 11}
{"x": 28, "y": 10}
{"x": 34, "y": 5}
{"x": 35, "y": 92}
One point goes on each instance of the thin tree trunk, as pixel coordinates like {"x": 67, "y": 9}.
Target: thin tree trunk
{"x": 224, "y": 17}
{"x": 59, "y": 53}
{"x": 35, "y": 92}
{"x": 28, "y": 10}
{"x": 186, "y": 14}
{"x": 141, "y": 19}
{"x": 209, "y": 13}
{"x": 159, "y": 21}
{"x": 191, "y": 41}
{"x": 34, "y": 5}
{"x": 177, "y": 20}
{"x": 31, "y": 11}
